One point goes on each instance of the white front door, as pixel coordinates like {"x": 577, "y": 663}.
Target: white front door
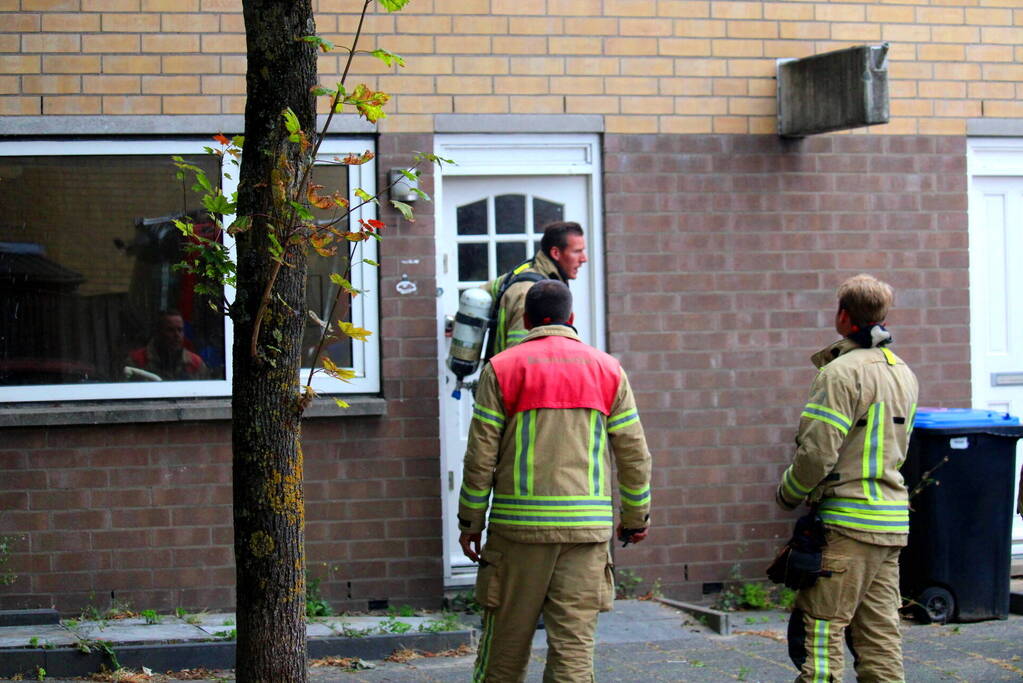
{"x": 489, "y": 225}
{"x": 996, "y": 287}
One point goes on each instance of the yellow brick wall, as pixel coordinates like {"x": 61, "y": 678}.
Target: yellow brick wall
{"x": 668, "y": 66}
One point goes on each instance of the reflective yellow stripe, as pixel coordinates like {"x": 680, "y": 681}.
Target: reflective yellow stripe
{"x": 819, "y": 652}
{"x": 551, "y": 510}
{"x": 793, "y": 485}
{"x": 866, "y": 515}
{"x": 873, "y": 451}
{"x": 525, "y": 443}
{"x": 910, "y": 419}
{"x": 889, "y": 356}
{"x": 479, "y": 673}
{"x": 595, "y": 466}
{"x": 634, "y": 497}
{"x": 621, "y": 420}
{"x": 491, "y": 417}
{"x": 816, "y": 411}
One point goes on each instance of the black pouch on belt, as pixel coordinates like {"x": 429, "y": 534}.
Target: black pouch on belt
{"x": 798, "y": 564}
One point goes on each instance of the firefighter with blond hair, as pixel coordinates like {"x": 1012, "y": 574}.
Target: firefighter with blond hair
{"x": 853, "y": 436}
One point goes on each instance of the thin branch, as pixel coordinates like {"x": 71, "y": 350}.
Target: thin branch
{"x": 306, "y": 171}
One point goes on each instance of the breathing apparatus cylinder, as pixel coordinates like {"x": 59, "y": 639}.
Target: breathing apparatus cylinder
{"x": 468, "y": 333}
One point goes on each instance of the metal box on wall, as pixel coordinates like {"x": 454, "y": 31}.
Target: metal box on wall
{"x": 833, "y": 91}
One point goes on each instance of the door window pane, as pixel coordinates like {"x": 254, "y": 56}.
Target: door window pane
{"x": 509, "y": 255}
{"x": 545, "y": 212}
{"x": 88, "y": 288}
{"x": 510, "y": 214}
{"x": 472, "y": 218}
{"x": 472, "y": 262}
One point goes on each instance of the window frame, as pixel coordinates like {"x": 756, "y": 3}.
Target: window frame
{"x": 365, "y": 308}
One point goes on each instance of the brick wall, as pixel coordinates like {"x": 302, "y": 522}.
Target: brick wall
{"x": 724, "y": 253}
{"x": 143, "y": 512}
{"x": 671, "y": 66}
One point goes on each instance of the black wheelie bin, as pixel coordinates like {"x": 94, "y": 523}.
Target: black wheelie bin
{"x": 960, "y": 472}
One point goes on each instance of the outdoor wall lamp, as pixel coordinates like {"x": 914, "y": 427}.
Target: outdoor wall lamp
{"x": 403, "y": 189}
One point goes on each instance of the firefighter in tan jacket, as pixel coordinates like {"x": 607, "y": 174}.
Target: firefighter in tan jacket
{"x": 562, "y": 252}
{"x": 853, "y": 437}
{"x": 546, "y": 414}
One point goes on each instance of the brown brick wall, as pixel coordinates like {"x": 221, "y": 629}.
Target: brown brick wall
{"x": 724, "y": 253}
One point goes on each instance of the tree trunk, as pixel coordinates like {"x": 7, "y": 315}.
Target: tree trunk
{"x": 269, "y": 506}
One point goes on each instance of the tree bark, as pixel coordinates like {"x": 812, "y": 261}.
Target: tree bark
{"x": 269, "y": 506}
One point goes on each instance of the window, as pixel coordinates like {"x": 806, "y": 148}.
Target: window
{"x": 91, "y": 306}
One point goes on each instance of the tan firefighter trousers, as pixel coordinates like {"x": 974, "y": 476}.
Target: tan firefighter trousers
{"x": 568, "y": 582}
{"x": 861, "y": 595}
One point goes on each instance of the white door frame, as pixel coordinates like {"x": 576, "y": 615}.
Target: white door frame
{"x": 985, "y": 158}
{"x": 513, "y": 154}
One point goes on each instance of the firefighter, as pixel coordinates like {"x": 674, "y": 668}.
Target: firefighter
{"x": 562, "y": 252}
{"x": 852, "y": 439}
{"x": 546, "y": 412}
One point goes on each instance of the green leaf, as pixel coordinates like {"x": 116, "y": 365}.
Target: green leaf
{"x": 324, "y": 45}
{"x": 371, "y": 262}
{"x": 363, "y": 195}
{"x": 204, "y": 182}
{"x": 387, "y": 57}
{"x": 344, "y": 284}
{"x": 238, "y": 140}
{"x": 410, "y": 174}
{"x": 218, "y": 204}
{"x": 405, "y": 209}
{"x": 240, "y": 224}
{"x": 432, "y": 158}
{"x": 276, "y": 250}
{"x": 291, "y": 121}
{"x": 421, "y": 194}
{"x": 341, "y": 404}
{"x": 319, "y": 90}
{"x": 393, "y": 5}
{"x": 301, "y": 210}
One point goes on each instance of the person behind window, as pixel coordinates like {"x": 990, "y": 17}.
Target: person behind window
{"x": 165, "y": 355}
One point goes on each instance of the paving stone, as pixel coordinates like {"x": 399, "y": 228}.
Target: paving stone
{"x": 138, "y": 631}
{"x": 46, "y": 635}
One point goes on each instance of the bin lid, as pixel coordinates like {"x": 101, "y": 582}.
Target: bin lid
{"x": 953, "y": 418}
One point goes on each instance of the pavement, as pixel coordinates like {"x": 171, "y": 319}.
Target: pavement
{"x": 642, "y": 641}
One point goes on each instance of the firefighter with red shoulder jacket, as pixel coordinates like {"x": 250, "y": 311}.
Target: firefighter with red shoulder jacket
{"x": 853, "y": 437}
{"x": 548, "y": 414}
{"x": 562, "y": 252}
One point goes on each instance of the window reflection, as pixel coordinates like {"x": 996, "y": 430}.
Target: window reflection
{"x": 320, "y": 291}
{"x": 88, "y": 288}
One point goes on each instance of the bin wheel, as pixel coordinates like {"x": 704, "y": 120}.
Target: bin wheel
{"x": 938, "y": 604}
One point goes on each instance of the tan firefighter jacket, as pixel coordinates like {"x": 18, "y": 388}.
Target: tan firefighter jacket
{"x": 510, "y": 326}
{"x": 852, "y": 440}
{"x": 546, "y": 473}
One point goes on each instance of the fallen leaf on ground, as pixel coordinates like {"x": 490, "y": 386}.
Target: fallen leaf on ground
{"x": 773, "y": 635}
{"x": 349, "y": 663}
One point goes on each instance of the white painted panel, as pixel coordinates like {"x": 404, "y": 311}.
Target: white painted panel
{"x": 994, "y": 246}
{"x": 996, "y": 282}
{"x": 564, "y": 169}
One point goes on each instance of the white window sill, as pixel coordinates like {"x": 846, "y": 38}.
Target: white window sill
{"x": 162, "y": 410}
